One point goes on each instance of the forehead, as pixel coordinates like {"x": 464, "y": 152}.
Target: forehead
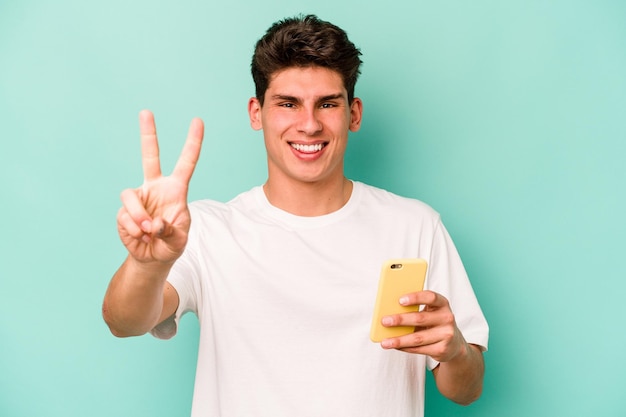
{"x": 306, "y": 81}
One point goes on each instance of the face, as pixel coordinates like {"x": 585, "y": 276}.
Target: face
{"x": 305, "y": 120}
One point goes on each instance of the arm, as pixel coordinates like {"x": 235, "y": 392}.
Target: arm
{"x": 461, "y": 379}
{"x": 153, "y": 225}
{"x": 138, "y": 298}
{"x": 459, "y": 375}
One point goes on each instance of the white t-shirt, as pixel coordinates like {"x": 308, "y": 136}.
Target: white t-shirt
{"x": 285, "y": 303}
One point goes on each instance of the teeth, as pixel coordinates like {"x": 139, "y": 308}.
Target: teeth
{"x": 307, "y": 148}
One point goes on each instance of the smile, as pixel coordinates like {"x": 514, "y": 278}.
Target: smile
{"x": 308, "y": 148}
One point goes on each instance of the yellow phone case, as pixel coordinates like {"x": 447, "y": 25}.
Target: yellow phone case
{"x": 398, "y": 277}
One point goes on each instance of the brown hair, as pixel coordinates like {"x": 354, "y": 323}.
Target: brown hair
{"x": 304, "y": 41}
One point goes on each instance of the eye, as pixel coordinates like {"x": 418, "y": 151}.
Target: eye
{"x": 287, "y": 105}
{"x": 328, "y": 105}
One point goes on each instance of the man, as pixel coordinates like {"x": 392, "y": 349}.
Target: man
{"x": 283, "y": 277}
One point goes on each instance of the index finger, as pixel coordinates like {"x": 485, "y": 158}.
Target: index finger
{"x": 426, "y": 298}
{"x": 149, "y": 146}
{"x": 191, "y": 152}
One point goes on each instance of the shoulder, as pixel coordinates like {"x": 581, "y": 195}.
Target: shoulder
{"x": 215, "y": 215}
{"x": 386, "y": 200}
{"x": 208, "y": 207}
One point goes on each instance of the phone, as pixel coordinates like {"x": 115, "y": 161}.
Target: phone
{"x": 398, "y": 277}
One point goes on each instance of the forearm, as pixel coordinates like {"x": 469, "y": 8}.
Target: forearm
{"x": 133, "y": 303}
{"x": 461, "y": 379}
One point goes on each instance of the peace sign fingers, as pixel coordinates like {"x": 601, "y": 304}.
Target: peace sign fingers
{"x": 154, "y": 220}
{"x": 149, "y": 146}
{"x": 191, "y": 152}
{"x": 150, "y": 149}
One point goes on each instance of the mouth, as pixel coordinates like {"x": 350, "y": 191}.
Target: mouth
{"x": 308, "y": 148}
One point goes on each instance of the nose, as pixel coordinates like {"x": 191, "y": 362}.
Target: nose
{"x": 309, "y": 122}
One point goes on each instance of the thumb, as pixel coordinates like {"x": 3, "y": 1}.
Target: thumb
{"x": 161, "y": 228}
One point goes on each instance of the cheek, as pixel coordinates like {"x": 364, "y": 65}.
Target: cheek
{"x": 275, "y": 121}
{"x": 339, "y": 125}
{"x": 275, "y": 125}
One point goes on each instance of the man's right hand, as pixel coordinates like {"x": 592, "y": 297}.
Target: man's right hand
{"x": 154, "y": 220}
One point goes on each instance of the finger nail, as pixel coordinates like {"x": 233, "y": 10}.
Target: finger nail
{"x": 146, "y": 226}
{"x": 404, "y": 300}
{"x": 387, "y": 321}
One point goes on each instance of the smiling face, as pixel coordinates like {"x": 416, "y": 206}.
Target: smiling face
{"x": 305, "y": 120}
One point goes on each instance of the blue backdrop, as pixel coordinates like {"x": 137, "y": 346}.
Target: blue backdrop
{"x": 508, "y": 117}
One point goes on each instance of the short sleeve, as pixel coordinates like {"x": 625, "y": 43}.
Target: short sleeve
{"x": 183, "y": 278}
{"x": 447, "y": 276}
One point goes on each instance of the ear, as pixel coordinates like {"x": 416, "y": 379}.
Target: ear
{"x": 254, "y": 112}
{"x": 356, "y": 114}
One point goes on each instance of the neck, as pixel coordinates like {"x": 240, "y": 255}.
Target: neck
{"x": 309, "y": 199}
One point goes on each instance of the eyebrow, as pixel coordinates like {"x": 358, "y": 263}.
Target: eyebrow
{"x": 297, "y": 100}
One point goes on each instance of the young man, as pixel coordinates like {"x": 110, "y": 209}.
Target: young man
{"x": 283, "y": 277}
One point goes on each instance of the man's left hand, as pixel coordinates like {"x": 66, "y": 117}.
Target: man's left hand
{"x": 436, "y": 333}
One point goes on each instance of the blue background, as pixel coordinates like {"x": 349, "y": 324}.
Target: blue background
{"x": 508, "y": 117}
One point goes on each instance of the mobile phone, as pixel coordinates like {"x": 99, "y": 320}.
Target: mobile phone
{"x": 398, "y": 277}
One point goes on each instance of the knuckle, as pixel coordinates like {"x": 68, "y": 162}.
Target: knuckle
{"x": 439, "y": 351}
{"x": 126, "y": 224}
{"x": 416, "y": 339}
{"x": 448, "y": 335}
{"x": 448, "y": 317}
{"x": 419, "y": 319}
{"x": 432, "y": 297}
{"x": 127, "y": 193}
